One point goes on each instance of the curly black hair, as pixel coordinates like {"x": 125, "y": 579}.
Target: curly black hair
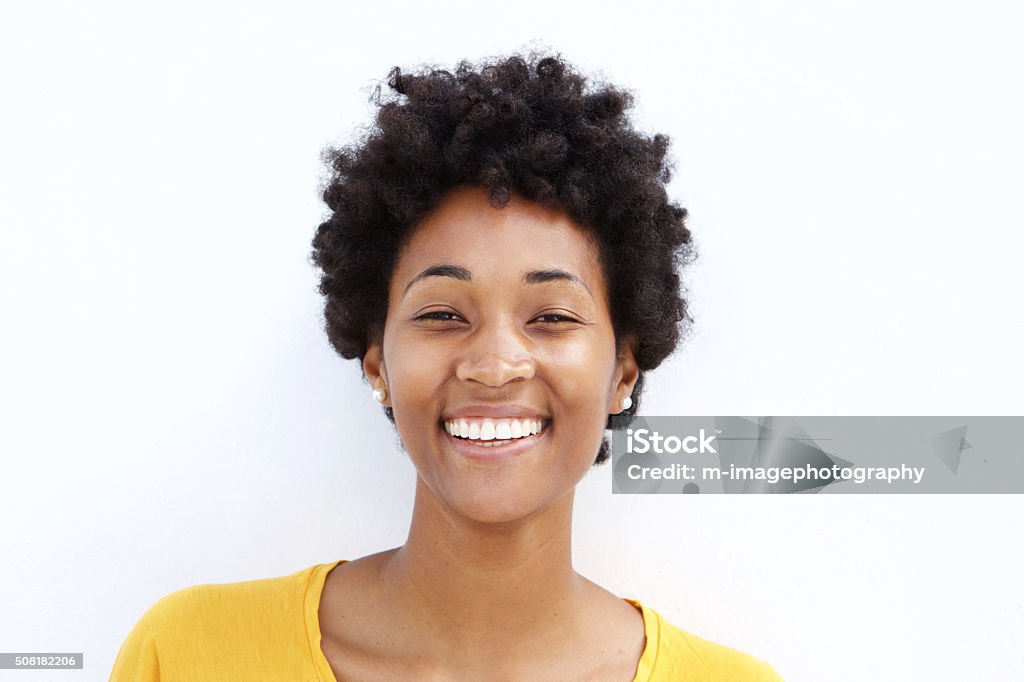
{"x": 529, "y": 124}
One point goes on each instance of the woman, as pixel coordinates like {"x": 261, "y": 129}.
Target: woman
{"x": 503, "y": 259}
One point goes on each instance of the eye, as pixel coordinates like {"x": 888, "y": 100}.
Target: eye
{"x": 439, "y": 316}
{"x": 556, "y": 319}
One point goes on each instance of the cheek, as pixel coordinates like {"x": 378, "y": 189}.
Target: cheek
{"x": 584, "y": 370}
{"x": 583, "y": 385}
{"x": 414, "y": 372}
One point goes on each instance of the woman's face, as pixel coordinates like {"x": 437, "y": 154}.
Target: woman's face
{"x": 496, "y": 316}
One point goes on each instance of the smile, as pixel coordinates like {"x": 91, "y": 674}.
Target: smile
{"x": 495, "y": 430}
{"x": 494, "y": 439}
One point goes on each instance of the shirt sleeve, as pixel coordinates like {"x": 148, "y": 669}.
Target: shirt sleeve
{"x": 137, "y": 660}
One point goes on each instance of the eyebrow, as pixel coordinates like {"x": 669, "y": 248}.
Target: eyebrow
{"x": 532, "y": 277}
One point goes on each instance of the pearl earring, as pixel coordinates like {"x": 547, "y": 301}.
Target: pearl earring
{"x": 627, "y": 403}
{"x": 379, "y": 394}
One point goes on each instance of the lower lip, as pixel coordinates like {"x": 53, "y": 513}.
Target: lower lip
{"x": 495, "y": 453}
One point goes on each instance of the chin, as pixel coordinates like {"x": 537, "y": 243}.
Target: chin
{"x": 494, "y": 508}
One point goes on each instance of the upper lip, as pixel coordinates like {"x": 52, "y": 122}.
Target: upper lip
{"x": 495, "y": 411}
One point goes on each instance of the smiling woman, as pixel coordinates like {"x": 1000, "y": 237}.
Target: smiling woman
{"x": 511, "y": 324}
{"x": 518, "y": 230}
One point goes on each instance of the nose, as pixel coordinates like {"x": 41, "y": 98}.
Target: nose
{"x": 497, "y": 353}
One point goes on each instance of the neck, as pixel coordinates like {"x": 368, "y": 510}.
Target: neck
{"x": 473, "y": 579}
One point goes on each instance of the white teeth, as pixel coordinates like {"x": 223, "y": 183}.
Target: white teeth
{"x": 493, "y": 429}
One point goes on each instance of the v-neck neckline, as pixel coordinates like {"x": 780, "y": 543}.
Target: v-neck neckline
{"x": 311, "y": 613}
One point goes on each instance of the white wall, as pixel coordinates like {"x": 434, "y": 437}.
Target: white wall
{"x": 171, "y": 413}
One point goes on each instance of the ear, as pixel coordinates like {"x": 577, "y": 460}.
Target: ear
{"x": 375, "y": 371}
{"x": 626, "y": 374}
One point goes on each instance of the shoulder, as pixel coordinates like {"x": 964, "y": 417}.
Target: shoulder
{"x": 195, "y": 627}
{"x": 682, "y": 655}
{"x": 206, "y": 606}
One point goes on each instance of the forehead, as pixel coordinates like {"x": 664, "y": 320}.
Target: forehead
{"x": 496, "y": 242}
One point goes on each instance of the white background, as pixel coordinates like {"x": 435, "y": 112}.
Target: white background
{"x": 173, "y": 415}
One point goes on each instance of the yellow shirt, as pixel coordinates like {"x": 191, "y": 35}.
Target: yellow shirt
{"x": 270, "y": 630}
